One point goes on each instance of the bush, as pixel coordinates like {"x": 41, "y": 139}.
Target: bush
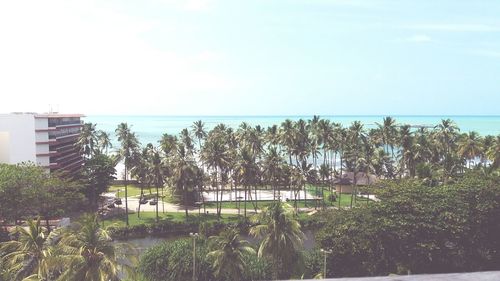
{"x": 173, "y": 261}
{"x": 418, "y": 228}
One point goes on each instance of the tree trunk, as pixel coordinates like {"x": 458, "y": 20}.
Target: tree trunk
{"x": 245, "y": 213}
{"x": 185, "y": 200}
{"x": 126, "y": 198}
{"x": 157, "y": 202}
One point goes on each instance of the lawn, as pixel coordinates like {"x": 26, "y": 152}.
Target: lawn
{"x": 345, "y": 201}
{"x": 133, "y": 191}
{"x": 150, "y": 217}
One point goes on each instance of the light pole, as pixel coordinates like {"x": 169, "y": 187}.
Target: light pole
{"x": 326, "y": 252}
{"x": 194, "y": 235}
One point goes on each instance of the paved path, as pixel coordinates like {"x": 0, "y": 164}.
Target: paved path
{"x": 133, "y": 204}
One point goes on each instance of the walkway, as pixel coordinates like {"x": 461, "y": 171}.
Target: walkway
{"x": 133, "y": 204}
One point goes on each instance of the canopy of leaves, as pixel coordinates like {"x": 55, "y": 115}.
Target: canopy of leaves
{"x": 418, "y": 229}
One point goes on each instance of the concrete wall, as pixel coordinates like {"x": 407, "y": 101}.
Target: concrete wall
{"x": 470, "y": 276}
{"x": 21, "y": 145}
{"x": 4, "y": 147}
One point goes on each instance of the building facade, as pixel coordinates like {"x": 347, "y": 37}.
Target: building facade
{"x": 45, "y": 139}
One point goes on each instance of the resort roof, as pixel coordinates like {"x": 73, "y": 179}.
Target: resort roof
{"x": 361, "y": 179}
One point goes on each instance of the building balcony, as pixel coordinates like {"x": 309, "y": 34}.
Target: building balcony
{"x": 50, "y": 153}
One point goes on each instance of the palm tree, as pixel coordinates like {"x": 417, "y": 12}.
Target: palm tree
{"x": 281, "y": 236}
{"x": 287, "y": 134}
{"x": 493, "y": 153}
{"x": 247, "y": 170}
{"x": 445, "y": 135}
{"x": 27, "y": 257}
{"x": 129, "y": 146}
{"x": 227, "y": 254}
{"x": 103, "y": 141}
{"x": 271, "y": 165}
{"x": 187, "y": 141}
{"x": 470, "y": 146}
{"x": 388, "y": 131}
{"x": 86, "y": 252}
{"x": 198, "y": 129}
{"x": 406, "y": 150}
{"x": 215, "y": 156}
{"x": 184, "y": 173}
{"x": 157, "y": 173}
{"x": 140, "y": 171}
{"x": 168, "y": 144}
{"x": 87, "y": 139}
{"x": 357, "y": 138}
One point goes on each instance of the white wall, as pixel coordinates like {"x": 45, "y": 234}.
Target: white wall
{"x": 41, "y": 123}
{"x": 4, "y": 147}
{"x": 21, "y": 129}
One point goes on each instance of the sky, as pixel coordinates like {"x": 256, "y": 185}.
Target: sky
{"x": 258, "y": 57}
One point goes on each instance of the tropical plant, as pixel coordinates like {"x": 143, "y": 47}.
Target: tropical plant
{"x": 129, "y": 146}
{"x": 281, "y": 237}
{"x": 27, "y": 257}
{"x": 86, "y": 252}
{"x": 227, "y": 255}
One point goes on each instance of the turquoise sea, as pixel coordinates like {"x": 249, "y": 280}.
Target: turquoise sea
{"x": 151, "y": 128}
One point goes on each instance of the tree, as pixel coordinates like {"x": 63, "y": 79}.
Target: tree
{"x": 173, "y": 261}
{"x": 129, "y": 146}
{"x": 215, "y": 156}
{"x": 27, "y": 190}
{"x": 103, "y": 141}
{"x": 227, "y": 255}
{"x": 271, "y": 168}
{"x": 493, "y": 153}
{"x": 470, "y": 146}
{"x": 157, "y": 173}
{"x": 198, "y": 129}
{"x": 87, "y": 140}
{"x": 97, "y": 174}
{"x": 27, "y": 257}
{"x": 417, "y": 229}
{"x": 86, "y": 252}
{"x": 184, "y": 174}
{"x": 281, "y": 237}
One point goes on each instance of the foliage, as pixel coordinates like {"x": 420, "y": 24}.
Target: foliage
{"x": 227, "y": 255}
{"x": 27, "y": 190}
{"x": 419, "y": 229}
{"x": 28, "y": 255}
{"x": 281, "y": 238}
{"x": 173, "y": 261}
{"x": 97, "y": 174}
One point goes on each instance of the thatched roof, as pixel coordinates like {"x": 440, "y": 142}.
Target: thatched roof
{"x": 361, "y": 179}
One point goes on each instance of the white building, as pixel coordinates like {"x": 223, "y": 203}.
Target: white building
{"x": 45, "y": 139}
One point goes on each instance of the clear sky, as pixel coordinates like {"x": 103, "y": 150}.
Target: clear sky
{"x": 255, "y": 57}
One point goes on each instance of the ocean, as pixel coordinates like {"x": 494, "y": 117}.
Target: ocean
{"x": 150, "y": 128}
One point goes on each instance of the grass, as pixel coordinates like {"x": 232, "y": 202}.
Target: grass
{"x": 150, "y": 218}
{"x": 133, "y": 191}
{"x": 345, "y": 199}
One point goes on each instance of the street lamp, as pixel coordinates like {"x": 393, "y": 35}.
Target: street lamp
{"x": 326, "y": 252}
{"x": 238, "y": 202}
{"x": 194, "y": 235}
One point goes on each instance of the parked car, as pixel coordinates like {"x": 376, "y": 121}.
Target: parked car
{"x": 153, "y": 202}
{"x": 143, "y": 201}
{"x": 118, "y": 201}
